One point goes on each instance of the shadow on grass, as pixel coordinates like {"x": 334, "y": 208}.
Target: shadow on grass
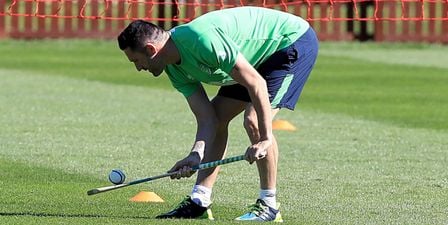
{"x": 37, "y": 214}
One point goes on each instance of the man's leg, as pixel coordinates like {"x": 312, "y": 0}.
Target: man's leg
{"x": 226, "y": 109}
{"x": 198, "y": 204}
{"x": 267, "y": 167}
{"x": 265, "y": 208}
{"x": 286, "y": 72}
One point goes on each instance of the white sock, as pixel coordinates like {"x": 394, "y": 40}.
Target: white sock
{"x": 268, "y": 196}
{"x": 201, "y": 195}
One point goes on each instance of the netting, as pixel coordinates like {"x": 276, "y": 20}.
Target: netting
{"x": 322, "y": 10}
{"x": 412, "y": 20}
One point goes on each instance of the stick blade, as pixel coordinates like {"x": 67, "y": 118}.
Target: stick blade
{"x": 104, "y": 189}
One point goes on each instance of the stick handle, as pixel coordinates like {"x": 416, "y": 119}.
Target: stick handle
{"x": 218, "y": 162}
{"x": 195, "y": 168}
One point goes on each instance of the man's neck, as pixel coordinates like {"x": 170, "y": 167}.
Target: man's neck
{"x": 171, "y": 52}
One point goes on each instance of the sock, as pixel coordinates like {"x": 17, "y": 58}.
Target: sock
{"x": 201, "y": 195}
{"x": 268, "y": 196}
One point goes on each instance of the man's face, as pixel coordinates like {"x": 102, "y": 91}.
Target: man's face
{"x": 145, "y": 61}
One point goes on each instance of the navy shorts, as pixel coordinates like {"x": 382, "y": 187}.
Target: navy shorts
{"x": 285, "y": 72}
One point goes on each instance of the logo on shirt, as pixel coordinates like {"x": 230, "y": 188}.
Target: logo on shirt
{"x": 222, "y": 55}
{"x": 205, "y": 69}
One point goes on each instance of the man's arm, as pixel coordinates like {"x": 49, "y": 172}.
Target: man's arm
{"x": 245, "y": 74}
{"x": 206, "y": 120}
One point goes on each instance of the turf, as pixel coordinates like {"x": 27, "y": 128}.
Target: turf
{"x": 65, "y": 123}
{"x": 401, "y": 84}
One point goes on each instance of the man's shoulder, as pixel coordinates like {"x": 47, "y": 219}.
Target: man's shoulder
{"x": 193, "y": 28}
{"x": 194, "y": 39}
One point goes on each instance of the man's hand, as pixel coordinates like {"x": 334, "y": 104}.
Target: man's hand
{"x": 257, "y": 151}
{"x": 183, "y": 167}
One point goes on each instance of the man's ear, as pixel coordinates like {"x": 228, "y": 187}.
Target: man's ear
{"x": 151, "y": 50}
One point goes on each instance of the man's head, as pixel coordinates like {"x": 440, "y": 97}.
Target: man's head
{"x": 141, "y": 41}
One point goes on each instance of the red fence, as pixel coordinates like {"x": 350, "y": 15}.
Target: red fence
{"x": 380, "y": 20}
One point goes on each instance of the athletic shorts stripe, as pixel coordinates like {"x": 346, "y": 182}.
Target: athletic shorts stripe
{"x": 283, "y": 89}
{"x": 285, "y": 72}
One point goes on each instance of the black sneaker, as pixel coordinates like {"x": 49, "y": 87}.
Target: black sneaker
{"x": 187, "y": 209}
{"x": 261, "y": 212}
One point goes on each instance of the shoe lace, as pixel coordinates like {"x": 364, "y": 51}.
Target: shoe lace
{"x": 184, "y": 203}
{"x": 256, "y": 208}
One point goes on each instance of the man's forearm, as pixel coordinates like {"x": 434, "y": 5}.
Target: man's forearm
{"x": 205, "y": 119}
{"x": 246, "y": 75}
{"x": 260, "y": 101}
{"x": 204, "y": 136}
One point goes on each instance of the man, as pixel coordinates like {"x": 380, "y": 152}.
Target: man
{"x": 260, "y": 57}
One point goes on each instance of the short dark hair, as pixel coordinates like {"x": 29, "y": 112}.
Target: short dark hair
{"x": 137, "y": 33}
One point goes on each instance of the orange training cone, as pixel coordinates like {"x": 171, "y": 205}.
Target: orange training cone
{"x": 146, "y": 196}
{"x": 283, "y": 125}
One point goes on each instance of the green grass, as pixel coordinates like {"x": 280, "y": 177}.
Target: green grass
{"x": 408, "y": 96}
{"x": 370, "y": 146}
{"x": 401, "y": 84}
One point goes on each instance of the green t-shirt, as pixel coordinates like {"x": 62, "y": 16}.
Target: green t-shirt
{"x": 209, "y": 45}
